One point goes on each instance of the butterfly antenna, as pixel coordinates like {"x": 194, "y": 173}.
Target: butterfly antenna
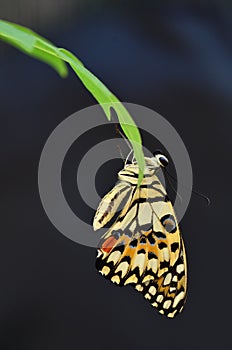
{"x": 193, "y": 191}
{"x": 172, "y": 186}
{"x": 202, "y": 196}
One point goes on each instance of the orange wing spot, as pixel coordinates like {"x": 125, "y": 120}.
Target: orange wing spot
{"x": 108, "y": 244}
{"x": 146, "y": 233}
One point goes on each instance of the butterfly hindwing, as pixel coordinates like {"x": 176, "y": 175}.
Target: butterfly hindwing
{"x": 167, "y": 293}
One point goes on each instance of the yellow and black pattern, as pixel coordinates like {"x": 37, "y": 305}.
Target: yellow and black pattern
{"x": 143, "y": 247}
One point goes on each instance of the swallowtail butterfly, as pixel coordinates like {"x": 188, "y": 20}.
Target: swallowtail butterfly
{"x": 143, "y": 247}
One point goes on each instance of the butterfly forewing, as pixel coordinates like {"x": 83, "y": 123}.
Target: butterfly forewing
{"x": 143, "y": 247}
{"x": 110, "y": 204}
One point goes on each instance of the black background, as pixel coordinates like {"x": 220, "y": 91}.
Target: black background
{"x": 175, "y": 59}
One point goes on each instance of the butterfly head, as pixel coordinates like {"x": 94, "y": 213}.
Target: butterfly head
{"x": 158, "y": 161}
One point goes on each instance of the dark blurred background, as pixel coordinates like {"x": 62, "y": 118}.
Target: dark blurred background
{"x": 175, "y": 58}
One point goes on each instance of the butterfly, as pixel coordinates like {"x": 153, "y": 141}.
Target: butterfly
{"x": 143, "y": 247}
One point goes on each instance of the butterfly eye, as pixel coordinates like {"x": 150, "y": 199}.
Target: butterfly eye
{"x": 162, "y": 160}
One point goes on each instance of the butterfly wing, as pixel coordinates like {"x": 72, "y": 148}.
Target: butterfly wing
{"x": 109, "y": 204}
{"x": 144, "y": 248}
{"x": 167, "y": 293}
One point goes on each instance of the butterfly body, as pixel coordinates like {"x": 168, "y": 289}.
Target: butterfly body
{"x": 143, "y": 247}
